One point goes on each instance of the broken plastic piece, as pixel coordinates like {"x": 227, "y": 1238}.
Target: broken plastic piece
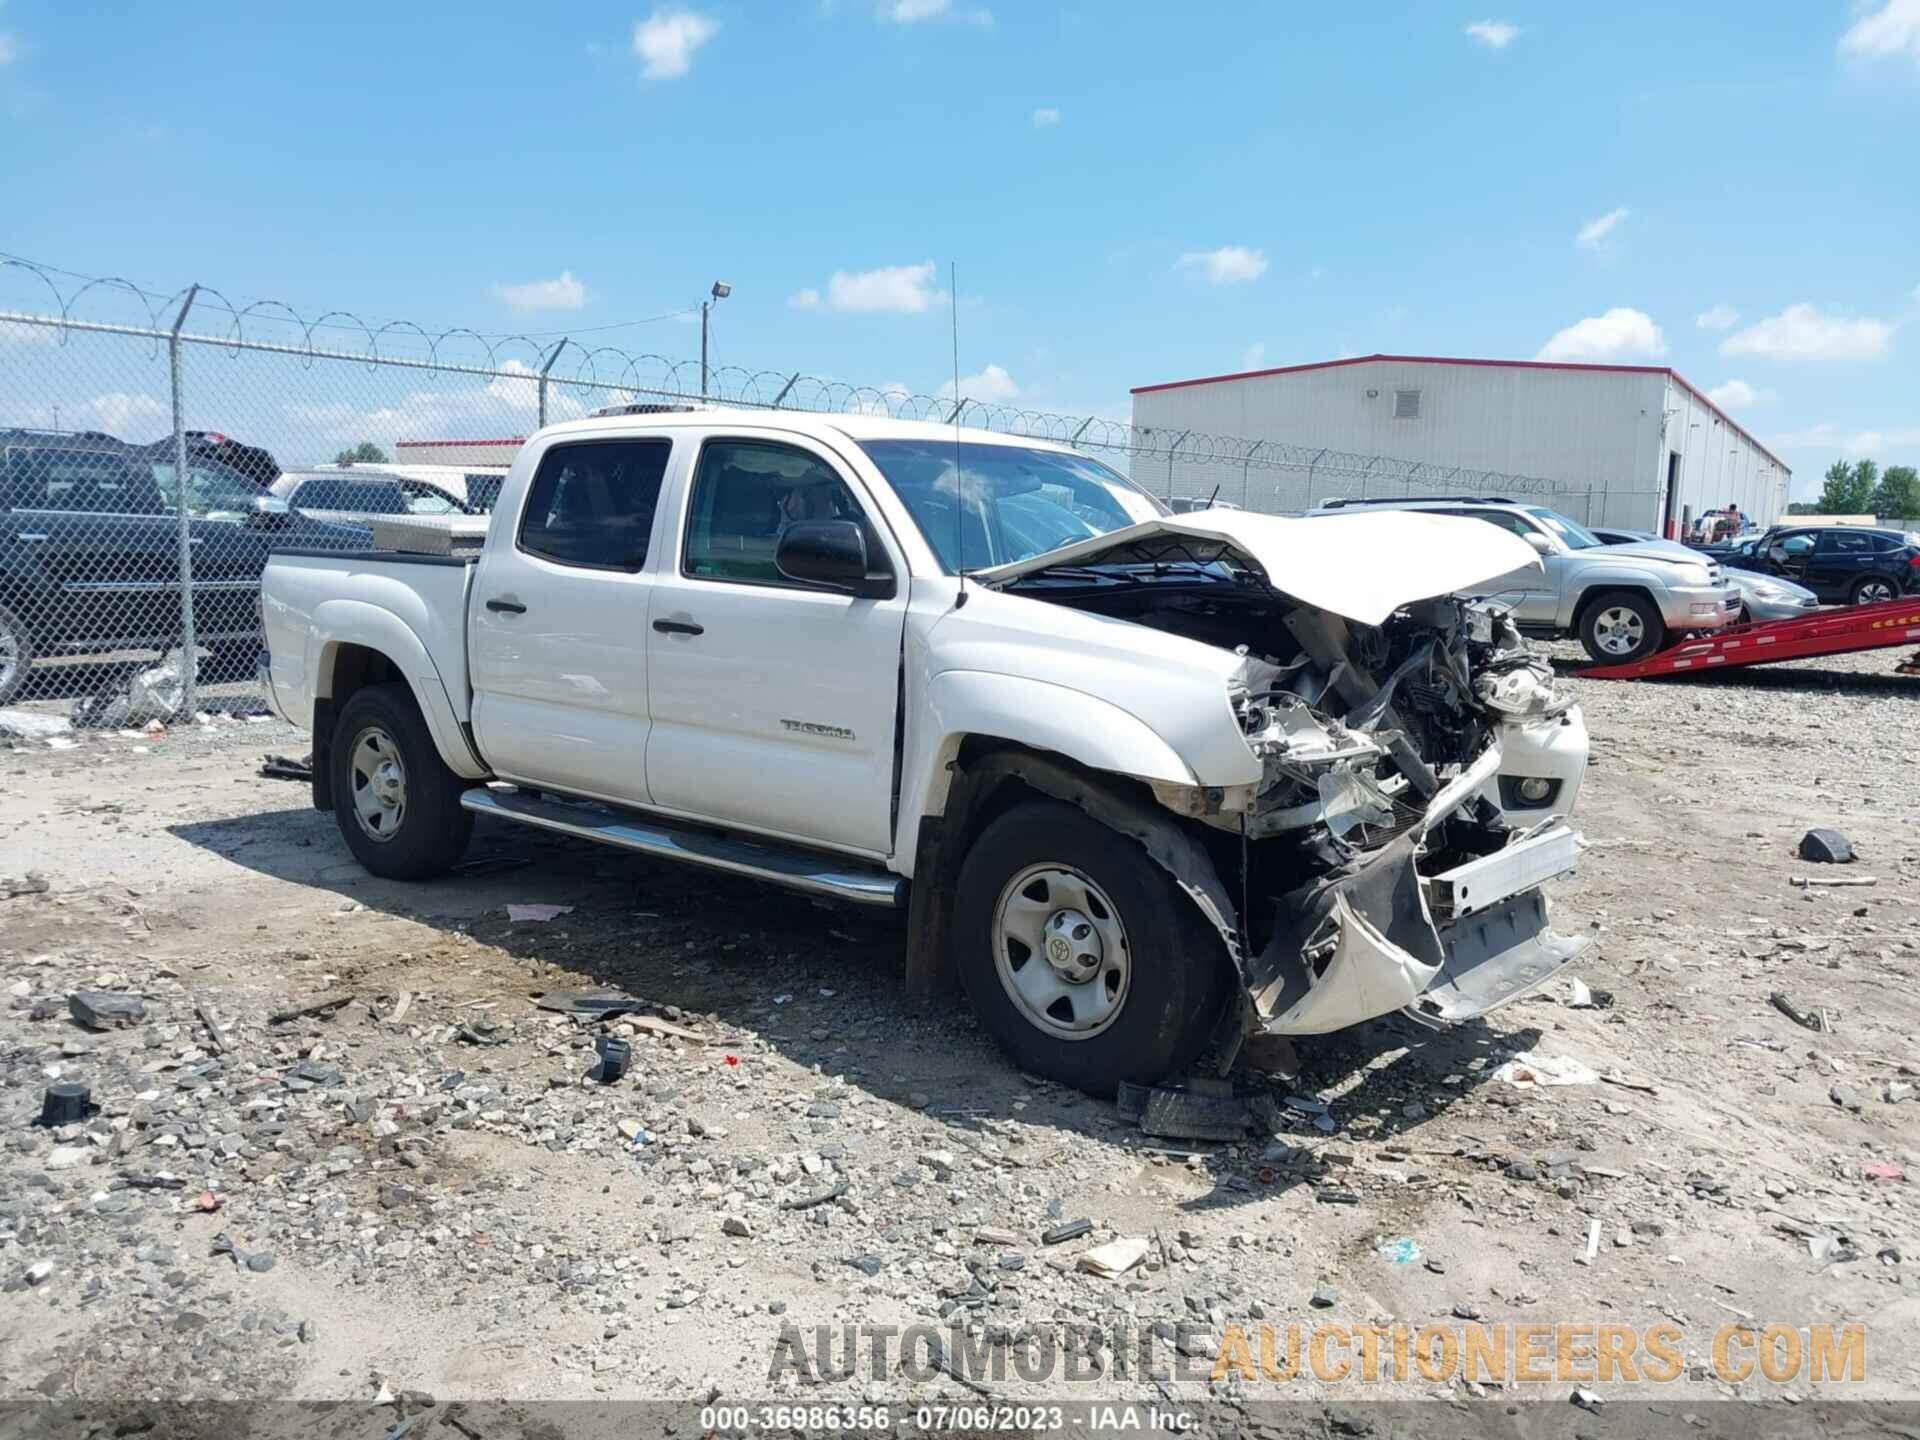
{"x": 1185, "y": 1114}
{"x": 540, "y": 914}
{"x": 1826, "y": 847}
{"x": 616, "y": 1056}
{"x": 592, "y": 1004}
{"x": 65, "y": 1104}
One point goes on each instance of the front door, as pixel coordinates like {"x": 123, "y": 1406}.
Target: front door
{"x": 557, "y": 620}
{"x": 774, "y": 701}
{"x": 1533, "y": 591}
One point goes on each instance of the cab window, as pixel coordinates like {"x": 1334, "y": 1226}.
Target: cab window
{"x": 745, "y": 495}
{"x": 591, "y": 504}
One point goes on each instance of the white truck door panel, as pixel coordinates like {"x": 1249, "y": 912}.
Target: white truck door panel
{"x": 559, "y": 607}
{"x": 774, "y": 703}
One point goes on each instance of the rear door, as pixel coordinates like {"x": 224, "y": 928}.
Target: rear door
{"x": 774, "y": 701}
{"x": 557, "y": 630}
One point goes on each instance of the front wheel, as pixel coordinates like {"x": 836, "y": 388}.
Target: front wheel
{"x": 1081, "y": 956}
{"x": 1872, "y": 589}
{"x": 1620, "y": 626}
{"x": 397, "y": 803}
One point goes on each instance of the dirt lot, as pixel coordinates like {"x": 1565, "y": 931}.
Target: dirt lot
{"x": 422, "y": 1190}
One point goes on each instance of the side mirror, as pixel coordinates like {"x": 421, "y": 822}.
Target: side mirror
{"x": 268, "y": 511}
{"x": 1541, "y": 545}
{"x": 832, "y": 553}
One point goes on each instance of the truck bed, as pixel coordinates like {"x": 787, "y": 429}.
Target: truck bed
{"x": 411, "y": 607}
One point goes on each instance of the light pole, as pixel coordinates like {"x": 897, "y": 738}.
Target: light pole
{"x": 719, "y": 292}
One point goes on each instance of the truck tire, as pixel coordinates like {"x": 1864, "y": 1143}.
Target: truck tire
{"x": 397, "y": 803}
{"x": 16, "y": 654}
{"x": 1621, "y": 625}
{"x": 1130, "y": 978}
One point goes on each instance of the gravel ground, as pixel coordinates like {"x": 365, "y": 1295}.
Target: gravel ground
{"x": 423, "y": 1194}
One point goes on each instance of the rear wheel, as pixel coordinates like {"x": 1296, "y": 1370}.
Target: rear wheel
{"x": 1872, "y": 589}
{"x": 16, "y": 654}
{"x": 1080, "y": 955}
{"x": 1621, "y": 625}
{"x": 397, "y": 804}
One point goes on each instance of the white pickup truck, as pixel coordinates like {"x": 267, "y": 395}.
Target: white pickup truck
{"x": 1146, "y": 784}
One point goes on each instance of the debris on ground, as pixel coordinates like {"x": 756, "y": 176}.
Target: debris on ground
{"x": 1815, "y": 1020}
{"x": 1803, "y": 882}
{"x": 1114, "y": 1258}
{"x": 1194, "y": 1111}
{"x": 29, "y": 725}
{"x": 537, "y": 913}
{"x": 1528, "y": 1071}
{"x": 281, "y": 767}
{"x": 31, "y": 883}
{"x": 1826, "y": 847}
{"x": 306, "y": 1012}
{"x": 588, "y": 1004}
{"x": 65, "y": 1103}
{"x": 106, "y": 1009}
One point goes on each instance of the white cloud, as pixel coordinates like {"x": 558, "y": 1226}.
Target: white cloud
{"x": 1494, "y": 34}
{"x": 889, "y": 290}
{"x": 911, "y": 12}
{"x": 118, "y": 411}
{"x": 666, "y": 40}
{"x": 14, "y": 332}
{"x": 1827, "y": 436}
{"x": 1720, "y": 317}
{"x": 1044, "y": 116}
{"x": 1621, "y": 333}
{"x": 1891, "y": 31}
{"x": 9, "y": 49}
{"x": 1739, "y": 395}
{"x": 1805, "y": 332}
{"x": 1229, "y": 265}
{"x": 561, "y": 293}
{"x": 991, "y": 386}
{"x": 1254, "y": 354}
{"x": 1593, "y": 235}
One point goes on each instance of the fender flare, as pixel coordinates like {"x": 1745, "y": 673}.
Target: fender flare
{"x": 1035, "y": 714}
{"x": 355, "y": 622}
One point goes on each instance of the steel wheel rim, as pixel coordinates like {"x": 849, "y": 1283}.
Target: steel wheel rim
{"x": 1618, "y": 630}
{"x": 1871, "y": 593}
{"x": 1061, "y": 952}
{"x": 379, "y": 783}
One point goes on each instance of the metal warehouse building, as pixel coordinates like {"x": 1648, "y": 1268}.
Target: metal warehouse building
{"x": 1635, "y": 446}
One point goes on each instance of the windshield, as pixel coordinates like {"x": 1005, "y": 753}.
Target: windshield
{"x": 1572, "y": 533}
{"x": 1013, "y": 501}
{"x": 213, "y": 491}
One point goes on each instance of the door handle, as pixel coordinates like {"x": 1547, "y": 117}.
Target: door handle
{"x": 507, "y": 607}
{"x": 30, "y": 535}
{"x": 679, "y": 627}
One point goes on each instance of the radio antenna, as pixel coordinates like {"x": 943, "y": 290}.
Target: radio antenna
{"x": 959, "y": 403}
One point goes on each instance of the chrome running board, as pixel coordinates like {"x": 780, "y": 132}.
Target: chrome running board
{"x": 788, "y": 865}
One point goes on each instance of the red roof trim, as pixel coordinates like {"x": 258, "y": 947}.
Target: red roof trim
{"x": 426, "y": 444}
{"x": 1665, "y": 370}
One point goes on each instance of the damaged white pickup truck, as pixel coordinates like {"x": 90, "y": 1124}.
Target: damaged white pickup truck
{"x": 1146, "y": 784}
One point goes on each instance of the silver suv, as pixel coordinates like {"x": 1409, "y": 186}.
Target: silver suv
{"x": 1620, "y": 601}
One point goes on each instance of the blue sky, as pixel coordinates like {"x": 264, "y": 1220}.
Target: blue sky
{"x": 1132, "y": 192}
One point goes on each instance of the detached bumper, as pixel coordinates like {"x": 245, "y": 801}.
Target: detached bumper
{"x": 1447, "y": 948}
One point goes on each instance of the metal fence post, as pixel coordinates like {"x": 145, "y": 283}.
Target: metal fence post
{"x": 1170, "y": 449}
{"x": 1246, "y": 464}
{"x": 552, "y": 356}
{"x": 189, "y": 659}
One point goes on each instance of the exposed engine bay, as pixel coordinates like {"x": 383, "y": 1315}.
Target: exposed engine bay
{"x": 1375, "y": 858}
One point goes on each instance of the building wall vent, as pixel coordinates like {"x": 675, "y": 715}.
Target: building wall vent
{"x": 1406, "y": 404}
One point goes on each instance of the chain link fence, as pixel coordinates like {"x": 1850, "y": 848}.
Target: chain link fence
{"x": 129, "y": 595}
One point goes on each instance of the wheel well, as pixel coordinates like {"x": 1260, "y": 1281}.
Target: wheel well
{"x": 354, "y": 668}
{"x": 993, "y": 775}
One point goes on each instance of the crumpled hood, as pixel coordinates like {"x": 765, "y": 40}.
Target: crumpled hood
{"x": 1362, "y": 565}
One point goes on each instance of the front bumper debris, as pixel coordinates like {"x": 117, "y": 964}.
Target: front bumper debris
{"x": 1379, "y": 937}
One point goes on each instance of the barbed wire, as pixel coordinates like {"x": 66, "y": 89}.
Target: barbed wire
{"x": 617, "y": 373}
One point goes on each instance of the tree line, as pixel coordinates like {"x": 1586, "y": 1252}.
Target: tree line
{"x": 1863, "y": 488}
